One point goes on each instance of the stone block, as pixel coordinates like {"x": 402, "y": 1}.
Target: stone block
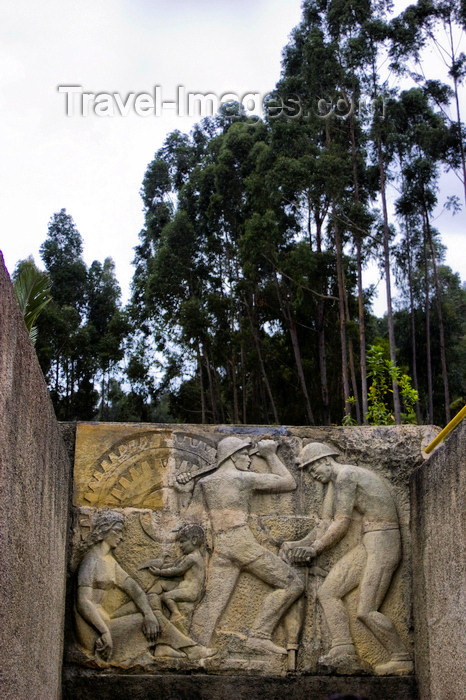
{"x": 438, "y": 495}
{"x": 80, "y": 684}
{"x": 34, "y": 506}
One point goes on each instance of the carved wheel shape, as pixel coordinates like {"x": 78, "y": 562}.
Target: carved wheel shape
{"x": 194, "y": 453}
{"x": 130, "y": 473}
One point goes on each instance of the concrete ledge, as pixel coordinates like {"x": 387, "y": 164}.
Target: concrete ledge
{"x": 80, "y": 684}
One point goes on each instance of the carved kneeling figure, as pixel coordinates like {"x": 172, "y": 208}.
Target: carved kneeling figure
{"x": 136, "y": 626}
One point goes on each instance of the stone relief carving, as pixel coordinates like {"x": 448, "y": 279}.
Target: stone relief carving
{"x": 235, "y": 553}
{"x": 227, "y": 493}
{"x": 130, "y": 473}
{"x": 193, "y": 456}
{"x": 180, "y": 596}
{"x": 133, "y": 628}
{"x": 370, "y": 564}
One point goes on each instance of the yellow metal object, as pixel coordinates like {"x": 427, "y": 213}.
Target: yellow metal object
{"x": 447, "y": 429}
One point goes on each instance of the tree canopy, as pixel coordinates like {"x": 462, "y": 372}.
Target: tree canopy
{"x": 248, "y": 302}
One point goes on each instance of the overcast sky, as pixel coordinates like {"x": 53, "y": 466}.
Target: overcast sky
{"x": 93, "y": 166}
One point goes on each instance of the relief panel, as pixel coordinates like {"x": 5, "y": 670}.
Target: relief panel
{"x": 265, "y": 552}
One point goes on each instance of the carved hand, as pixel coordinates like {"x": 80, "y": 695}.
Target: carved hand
{"x": 285, "y": 549}
{"x": 154, "y": 570}
{"x": 151, "y": 627}
{"x": 267, "y": 447}
{"x": 302, "y": 555}
{"x": 104, "y": 646}
{"x": 184, "y": 478}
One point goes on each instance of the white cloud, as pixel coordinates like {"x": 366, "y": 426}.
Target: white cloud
{"x": 94, "y": 166}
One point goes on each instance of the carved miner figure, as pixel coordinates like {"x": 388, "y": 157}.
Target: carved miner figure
{"x": 370, "y": 565}
{"x": 138, "y": 624}
{"x": 227, "y": 493}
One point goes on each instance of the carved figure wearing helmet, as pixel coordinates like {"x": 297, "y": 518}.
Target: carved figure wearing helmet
{"x": 369, "y": 565}
{"x": 230, "y": 446}
{"x": 227, "y": 493}
{"x": 314, "y": 451}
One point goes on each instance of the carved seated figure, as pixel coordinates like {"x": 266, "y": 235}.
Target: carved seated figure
{"x": 135, "y": 627}
{"x": 180, "y": 597}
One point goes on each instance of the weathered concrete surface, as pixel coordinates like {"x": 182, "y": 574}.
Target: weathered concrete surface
{"x": 438, "y": 495}
{"x": 84, "y": 685}
{"x": 34, "y": 504}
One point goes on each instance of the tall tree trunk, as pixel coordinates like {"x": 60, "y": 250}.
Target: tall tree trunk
{"x": 460, "y": 128}
{"x": 255, "y": 335}
{"x": 235, "y": 389}
{"x": 102, "y": 397}
{"x": 412, "y": 321}
{"x": 438, "y": 303}
{"x": 457, "y": 104}
{"x": 430, "y": 398}
{"x": 211, "y": 388}
{"x": 386, "y": 255}
{"x": 299, "y": 367}
{"x": 72, "y": 383}
{"x": 358, "y": 243}
{"x": 233, "y": 367}
{"x": 341, "y": 313}
{"x": 244, "y": 396}
{"x": 67, "y": 388}
{"x": 263, "y": 403}
{"x": 201, "y": 384}
{"x": 321, "y": 338}
{"x": 323, "y": 363}
{"x": 218, "y": 394}
{"x": 354, "y": 383}
{"x": 362, "y": 333}
{"x": 291, "y": 325}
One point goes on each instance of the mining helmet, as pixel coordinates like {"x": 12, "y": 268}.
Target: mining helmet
{"x": 313, "y": 451}
{"x": 229, "y": 446}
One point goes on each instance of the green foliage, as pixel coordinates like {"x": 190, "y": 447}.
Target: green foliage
{"x": 81, "y": 332}
{"x": 32, "y": 289}
{"x": 453, "y": 301}
{"x": 348, "y": 418}
{"x": 247, "y": 301}
{"x": 381, "y": 373}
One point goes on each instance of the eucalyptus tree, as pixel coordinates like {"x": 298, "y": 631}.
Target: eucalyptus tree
{"x": 81, "y": 332}
{"x": 298, "y": 178}
{"x": 437, "y": 25}
{"x": 106, "y": 324}
{"x": 370, "y": 44}
{"x": 63, "y": 343}
{"x": 453, "y": 300}
{"x": 188, "y": 279}
{"x": 319, "y": 168}
{"x": 242, "y": 258}
{"x": 357, "y": 29}
{"x": 425, "y": 139}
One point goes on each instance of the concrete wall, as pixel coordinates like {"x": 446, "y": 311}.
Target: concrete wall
{"x": 438, "y": 494}
{"x": 34, "y": 503}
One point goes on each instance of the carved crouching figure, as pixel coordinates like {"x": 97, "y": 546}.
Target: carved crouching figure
{"x": 135, "y": 626}
{"x": 227, "y": 494}
{"x": 370, "y": 565}
{"x": 180, "y": 598}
